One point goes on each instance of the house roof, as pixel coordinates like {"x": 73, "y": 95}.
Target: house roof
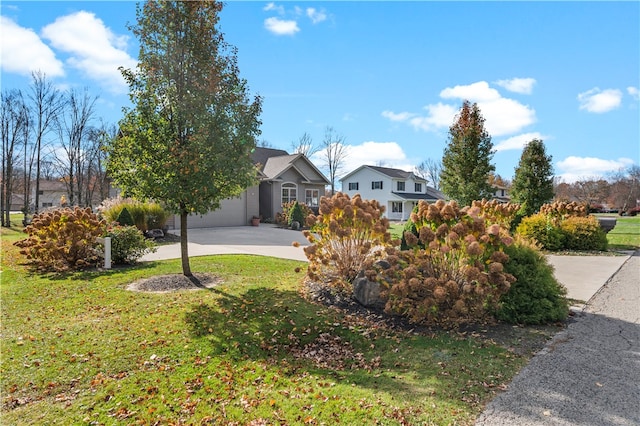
{"x": 388, "y": 171}
{"x": 260, "y": 155}
{"x": 274, "y": 162}
{"x": 51, "y": 185}
{"x": 431, "y": 194}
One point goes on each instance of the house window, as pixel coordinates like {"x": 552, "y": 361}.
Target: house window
{"x": 400, "y": 186}
{"x": 312, "y": 196}
{"x": 418, "y": 187}
{"x": 289, "y": 193}
{"x": 45, "y": 205}
{"x": 396, "y": 207}
{"x": 353, "y": 186}
{"x": 376, "y": 184}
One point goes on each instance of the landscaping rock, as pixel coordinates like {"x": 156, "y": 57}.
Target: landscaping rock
{"x": 366, "y": 292}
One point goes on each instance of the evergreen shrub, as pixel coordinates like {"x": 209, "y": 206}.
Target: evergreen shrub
{"x": 296, "y": 214}
{"x": 535, "y": 297}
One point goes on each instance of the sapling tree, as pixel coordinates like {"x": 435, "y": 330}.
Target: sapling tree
{"x": 188, "y": 138}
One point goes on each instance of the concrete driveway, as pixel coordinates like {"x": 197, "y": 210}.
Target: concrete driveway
{"x": 263, "y": 240}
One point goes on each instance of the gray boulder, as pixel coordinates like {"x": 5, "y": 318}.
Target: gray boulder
{"x": 366, "y": 292}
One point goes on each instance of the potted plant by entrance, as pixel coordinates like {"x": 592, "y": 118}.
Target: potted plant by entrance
{"x": 255, "y": 221}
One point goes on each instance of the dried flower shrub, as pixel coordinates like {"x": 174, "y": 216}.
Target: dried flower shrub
{"x": 453, "y": 272}
{"x": 63, "y": 239}
{"x": 347, "y": 236}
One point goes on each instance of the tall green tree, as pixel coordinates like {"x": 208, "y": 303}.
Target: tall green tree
{"x": 466, "y": 163}
{"x": 187, "y": 141}
{"x": 533, "y": 181}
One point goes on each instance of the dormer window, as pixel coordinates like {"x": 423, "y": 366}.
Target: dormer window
{"x": 418, "y": 187}
{"x": 401, "y": 186}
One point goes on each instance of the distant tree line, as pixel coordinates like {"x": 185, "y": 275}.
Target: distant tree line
{"x": 49, "y": 134}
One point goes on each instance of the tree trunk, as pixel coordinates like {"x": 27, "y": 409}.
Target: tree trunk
{"x": 184, "y": 248}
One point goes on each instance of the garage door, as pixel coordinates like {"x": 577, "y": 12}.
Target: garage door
{"x": 232, "y": 212}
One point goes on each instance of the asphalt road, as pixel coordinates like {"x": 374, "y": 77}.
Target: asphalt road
{"x": 590, "y": 373}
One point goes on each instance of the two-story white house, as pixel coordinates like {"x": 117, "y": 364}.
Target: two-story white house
{"x": 396, "y": 189}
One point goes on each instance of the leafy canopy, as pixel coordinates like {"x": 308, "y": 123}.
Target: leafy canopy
{"x": 466, "y": 163}
{"x": 187, "y": 141}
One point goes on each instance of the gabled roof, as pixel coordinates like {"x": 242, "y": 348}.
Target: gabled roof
{"x": 274, "y": 162}
{"x": 260, "y": 155}
{"x": 387, "y": 171}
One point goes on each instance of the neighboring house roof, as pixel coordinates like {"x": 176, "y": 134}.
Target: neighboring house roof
{"x": 50, "y": 185}
{"x": 274, "y": 162}
{"x": 431, "y": 194}
{"x": 388, "y": 171}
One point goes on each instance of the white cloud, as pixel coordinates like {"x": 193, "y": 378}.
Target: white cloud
{"x": 22, "y": 51}
{"x": 517, "y": 142}
{"x": 475, "y": 92}
{"x": 503, "y": 116}
{"x": 634, "y": 92}
{"x": 316, "y": 15}
{"x": 518, "y": 85}
{"x": 280, "y": 26}
{"x": 600, "y": 101}
{"x": 272, "y": 6}
{"x": 400, "y": 116}
{"x": 93, "y": 48}
{"x": 574, "y": 168}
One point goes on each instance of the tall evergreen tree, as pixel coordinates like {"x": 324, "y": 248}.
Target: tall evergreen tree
{"x": 533, "y": 181}
{"x": 466, "y": 163}
{"x": 188, "y": 139}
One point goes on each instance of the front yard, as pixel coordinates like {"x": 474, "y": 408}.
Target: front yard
{"x": 81, "y": 349}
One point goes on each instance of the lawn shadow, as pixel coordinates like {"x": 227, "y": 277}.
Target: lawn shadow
{"x": 281, "y": 327}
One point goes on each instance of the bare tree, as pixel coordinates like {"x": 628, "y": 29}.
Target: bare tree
{"x": 624, "y": 191}
{"x": 430, "y": 170}
{"x": 334, "y": 154}
{"x": 46, "y": 104}
{"x": 73, "y": 154}
{"x": 99, "y": 139}
{"x": 304, "y": 146}
{"x": 14, "y": 119}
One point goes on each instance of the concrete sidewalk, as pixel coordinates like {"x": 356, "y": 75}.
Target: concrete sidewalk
{"x": 583, "y": 276}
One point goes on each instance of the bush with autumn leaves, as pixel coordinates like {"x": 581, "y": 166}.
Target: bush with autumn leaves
{"x": 563, "y": 226}
{"x": 67, "y": 239}
{"x": 451, "y": 268}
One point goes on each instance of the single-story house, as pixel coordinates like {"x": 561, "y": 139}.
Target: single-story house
{"x": 398, "y": 190}
{"x": 282, "y": 177}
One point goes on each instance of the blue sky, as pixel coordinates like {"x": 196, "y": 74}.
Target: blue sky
{"x": 387, "y": 76}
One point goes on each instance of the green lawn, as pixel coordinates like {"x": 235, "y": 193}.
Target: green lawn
{"x": 81, "y": 349}
{"x": 626, "y": 234}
